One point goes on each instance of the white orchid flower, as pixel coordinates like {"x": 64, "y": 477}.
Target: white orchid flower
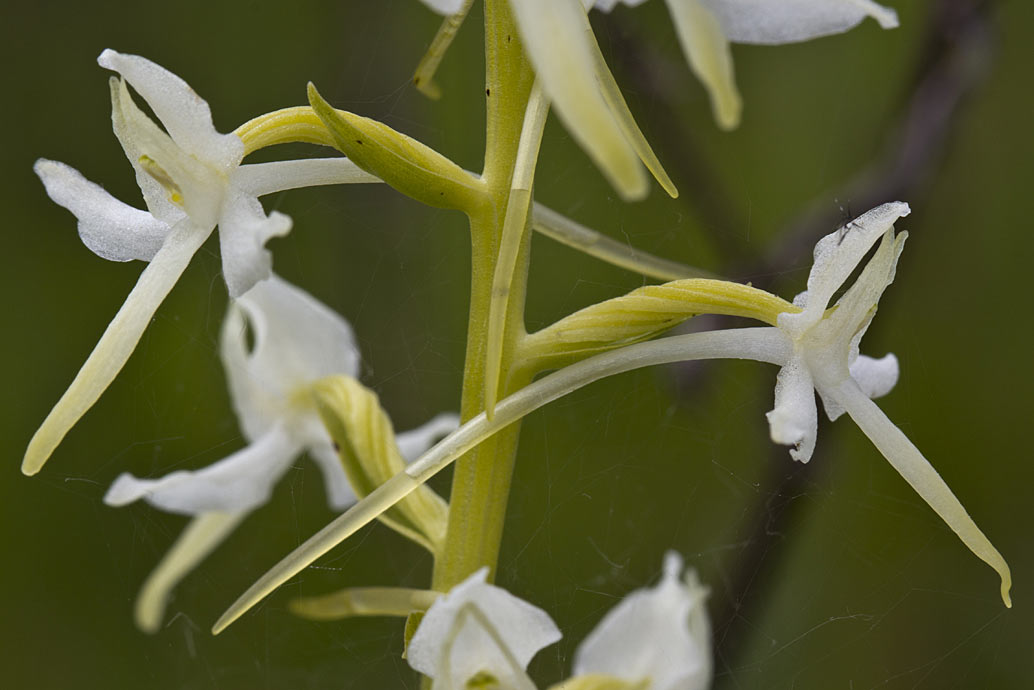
{"x": 297, "y": 341}
{"x": 192, "y": 180}
{"x": 480, "y": 635}
{"x": 655, "y": 639}
{"x": 706, "y": 28}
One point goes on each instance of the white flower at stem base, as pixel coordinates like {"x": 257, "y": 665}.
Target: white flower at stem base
{"x": 658, "y": 638}
{"x": 191, "y": 180}
{"x": 706, "y": 28}
{"x": 297, "y": 341}
{"x": 480, "y": 633}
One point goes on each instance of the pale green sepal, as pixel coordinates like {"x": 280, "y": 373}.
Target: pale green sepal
{"x": 599, "y": 681}
{"x": 409, "y": 166}
{"x": 363, "y": 601}
{"x": 365, "y": 441}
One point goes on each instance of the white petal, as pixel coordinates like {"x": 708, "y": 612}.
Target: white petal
{"x": 239, "y": 482}
{"x": 794, "y": 420}
{"x": 787, "y": 21}
{"x": 836, "y": 256}
{"x": 707, "y": 50}
{"x": 413, "y": 443}
{"x": 557, "y": 36}
{"x": 244, "y": 229}
{"x": 473, "y": 629}
{"x": 111, "y": 229}
{"x": 259, "y": 179}
{"x": 340, "y": 494}
{"x": 876, "y": 377}
{"x": 298, "y": 340}
{"x": 445, "y": 7}
{"x": 921, "y": 476}
{"x": 202, "y": 535}
{"x": 661, "y": 634}
{"x": 185, "y": 115}
{"x": 118, "y": 341}
{"x": 608, "y": 5}
{"x": 172, "y": 180}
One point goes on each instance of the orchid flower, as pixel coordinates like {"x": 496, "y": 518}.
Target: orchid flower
{"x": 654, "y": 639}
{"x": 576, "y": 80}
{"x": 191, "y": 179}
{"x": 297, "y": 341}
{"x": 480, "y": 635}
{"x": 706, "y": 27}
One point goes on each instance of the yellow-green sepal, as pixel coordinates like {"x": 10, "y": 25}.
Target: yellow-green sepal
{"x": 409, "y": 166}
{"x": 365, "y": 442}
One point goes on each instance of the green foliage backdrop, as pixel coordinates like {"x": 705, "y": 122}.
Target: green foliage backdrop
{"x": 831, "y": 576}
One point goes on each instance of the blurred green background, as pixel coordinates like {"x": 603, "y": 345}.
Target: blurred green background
{"x": 835, "y": 575}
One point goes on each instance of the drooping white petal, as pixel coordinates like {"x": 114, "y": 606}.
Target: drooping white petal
{"x": 608, "y": 5}
{"x": 340, "y": 494}
{"x": 259, "y": 179}
{"x": 118, "y": 342}
{"x": 787, "y": 21}
{"x": 173, "y": 180}
{"x": 239, "y": 482}
{"x": 445, "y": 7}
{"x": 706, "y": 48}
{"x": 111, "y": 229}
{"x": 204, "y": 533}
{"x": 479, "y": 628}
{"x": 244, "y": 229}
{"x": 903, "y": 455}
{"x": 836, "y": 256}
{"x": 185, "y": 115}
{"x": 661, "y": 634}
{"x": 413, "y": 443}
{"x": 297, "y": 340}
{"x": 876, "y": 377}
{"x": 557, "y": 36}
{"x": 794, "y": 421}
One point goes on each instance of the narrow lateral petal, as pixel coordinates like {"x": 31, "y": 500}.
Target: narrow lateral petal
{"x": 259, "y": 179}
{"x": 660, "y": 634}
{"x": 111, "y": 229}
{"x": 117, "y": 343}
{"x": 787, "y": 21}
{"x": 244, "y": 229}
{"x": 556, "y": 36}
{"x": 478, "y": 628}
{"x": 239, "y": 482}
{"x": 204, "y": 533}
{"x": 903, "y": 455}
{"x": 707, "y": 50}
{"x": 413, "y": 443}
{"x": 340, "y": 494}
{"x": 794, "y": 421}
{"x": 185, "y": 115}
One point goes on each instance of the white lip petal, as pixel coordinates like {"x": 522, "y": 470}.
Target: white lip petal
{"x": 185, "y": 115}
{"x": 449, "y": 640}
{"x": 557, "y": 36}
{"x": 259, "y": 179}
{"x": 413, "y": 443}
{"x": 444, "y": 7}
{"x": 111, "y": 229}
{"x": 200, "y": 538}
{"x": 608, "y": 5}
{"x": 117, "y": 343}
{"x": 787, "y": 21}
{"x": 903, "y": 455}
{"x": 794, "y": 420}
{"x": 239, "y": 482}
{"x": 244, "y": 229}
{"x": 707, "y": 50}
{"x": 876, "y": 377}
{"x": 661, "y": 634}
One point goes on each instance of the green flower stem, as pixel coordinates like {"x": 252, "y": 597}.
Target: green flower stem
{"x": 481, "y": 483}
